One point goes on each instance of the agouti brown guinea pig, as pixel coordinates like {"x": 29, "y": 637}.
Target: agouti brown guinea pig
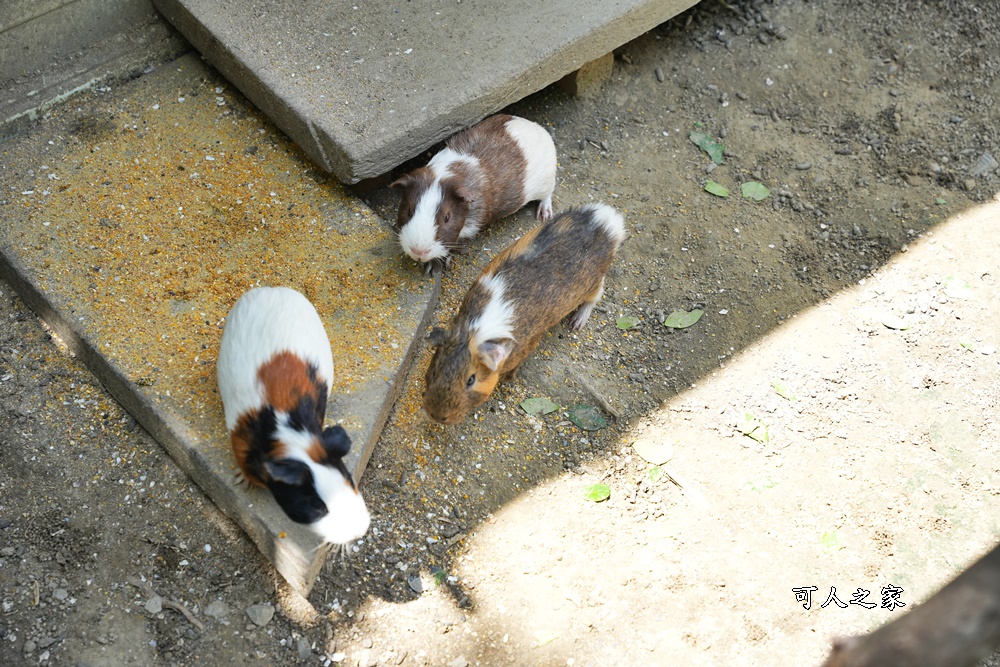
{"x": 528, "y": 288}
{"x": 484, "y": 173}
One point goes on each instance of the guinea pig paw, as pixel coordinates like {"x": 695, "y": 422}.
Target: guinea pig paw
{"x": 544, "y": 211}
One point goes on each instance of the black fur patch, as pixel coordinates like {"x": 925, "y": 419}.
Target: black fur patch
{"x": 299, "y": 500}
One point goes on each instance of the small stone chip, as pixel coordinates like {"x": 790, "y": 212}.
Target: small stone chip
{"x": 260, "y": 614}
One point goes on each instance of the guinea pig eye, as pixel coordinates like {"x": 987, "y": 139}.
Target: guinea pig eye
{"x": 447, "y": 217}
{"x": 471, "y": 381}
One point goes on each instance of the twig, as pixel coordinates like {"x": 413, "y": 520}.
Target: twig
{"x": 593, "y": 392}
{"x": 176, "y": 606}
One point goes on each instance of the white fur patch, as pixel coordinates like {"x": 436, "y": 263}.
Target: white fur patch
{"x": 347, "y": 518}
{"x": 264, "y": 322}
{"x": 609, "y": 218}
{"x": 540, "y": 154}
{"x": 497, "y": 319}
{"x": 418, "y": 236}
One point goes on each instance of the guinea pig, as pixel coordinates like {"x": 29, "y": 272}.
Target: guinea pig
{"x": 275, "y": 372}
{"x": 552, "y": 270}
{"x": 484, "y": 173}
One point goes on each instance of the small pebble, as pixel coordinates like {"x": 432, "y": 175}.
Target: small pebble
{"x": 260, "y": 614}
{"x": 803, "y": 166}
{"x": 460, "y": 661}
{"x": 416, "y": 585}
{"x": 29, "y": 646}
{"x": 217, "y": 609}
{"x": 60, "y": 594}
{"x": 659, "y": 74}
{"x": 303, "y": 648}
{"x": 154, "y": 605}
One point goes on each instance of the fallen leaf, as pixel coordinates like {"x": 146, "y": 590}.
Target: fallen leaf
{"x": 706, "y": 143}
{"x": 586, "y": 417}
{"x": 893, "y": 322}
{"x": 940, "y": 201}
{"x": 538, "y": 406}
{"x": 752, "y": 427}
{"x": 957, "y": 288}
{"x": 782, "y": 390}
{"x": 717, "y": 189}
{"x": 655, "y": 473}
{"x": 627, "y": 321}
{"x": 760, "y": 484}
{"x": 755, "y": 191}
{"x": 653, "y": 451}
{"x": 967, "y": 344}
{"x": 545, "y": 637}
{"x": 682, "y": 319}
{"x": 830, "y": 541}
{"x": 596, "y": 492}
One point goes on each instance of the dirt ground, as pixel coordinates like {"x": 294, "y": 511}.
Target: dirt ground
{"x": 850, "y": 315}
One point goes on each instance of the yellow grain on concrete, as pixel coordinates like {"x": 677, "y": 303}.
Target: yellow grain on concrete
{"x": 149, "y": 222}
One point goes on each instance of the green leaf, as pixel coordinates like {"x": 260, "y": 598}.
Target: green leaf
{"x": 706, "y": 143}
{"x": 545, "y": 637}
{"x": 682, "y": 319}
{"x": 439, "y": 577}
{"x": 538, "y": 406}
{"x": 893, "y": 322}
{"x": 627, "y": 321}
{"x": 957, "y": 288}
{"x": 940, "y": 201}
{"x": 760, "y": 484}
{"x": 967, "y": 344}
{"x": 586, "y": 417}
{"x": 752, "y": 427}
{"x": 596, "y": 492}
{"x": 830, "y": 541}
{"x": 655, "y": 473}
{"x": 717, "y": 189}
{"x": 653, "y": 451}
{"x": 754, "y": 190}
{"x": 782, "y": 389}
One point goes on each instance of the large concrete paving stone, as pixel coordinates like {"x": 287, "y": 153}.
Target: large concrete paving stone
{"x": 133, "y": 220}
{"x": 365, "y": 85}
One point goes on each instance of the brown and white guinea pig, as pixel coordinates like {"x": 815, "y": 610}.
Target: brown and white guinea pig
{"x": 484, "y": 173}
{"x": 554, "y": 269}
{"x": 275, "y": 373}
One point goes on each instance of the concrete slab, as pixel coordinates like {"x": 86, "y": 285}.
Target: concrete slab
{"x": 135, "y": 219}
{"x": 364, "y": 86}
{"x": 53, "y": 49}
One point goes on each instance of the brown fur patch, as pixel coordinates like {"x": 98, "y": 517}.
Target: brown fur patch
{"x": 412, "y": 185}
{"x": 317, "y": 453}
{"x": 502, "y": 165}
{"x": 287, "y": 380}
{"x": 241, "y": 439}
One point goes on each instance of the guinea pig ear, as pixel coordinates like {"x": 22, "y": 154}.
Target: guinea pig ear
{"x": 336, "y": 442}
{"x": 402, "y": 182}
{"x": 437, "y": 336}
{"x": 288, "y": 471}
{"x": 493, "y": 352}
{"x": 462, "y": 193}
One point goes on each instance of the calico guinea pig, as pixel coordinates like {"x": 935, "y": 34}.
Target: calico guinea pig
{"x": 275, "y": 372}
{"x": 554, "y": 269}
{"x": 484, "y": 173}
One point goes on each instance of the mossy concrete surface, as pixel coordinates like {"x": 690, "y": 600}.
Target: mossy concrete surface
{"x": 134, "y": 219}
{"x": 365, "y": 86}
